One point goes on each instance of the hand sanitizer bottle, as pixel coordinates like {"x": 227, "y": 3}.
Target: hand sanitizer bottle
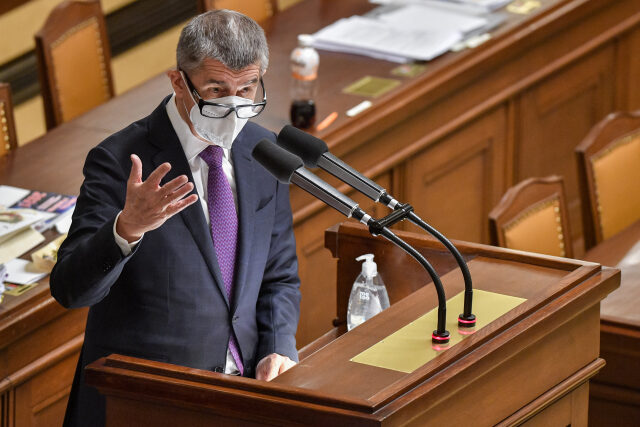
{"x": 368, "y": 294}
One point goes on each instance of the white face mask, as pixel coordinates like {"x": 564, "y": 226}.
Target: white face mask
{"x": 218, "y": 131}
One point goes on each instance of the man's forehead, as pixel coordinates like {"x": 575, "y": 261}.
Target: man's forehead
{"x": 212, "y": 71}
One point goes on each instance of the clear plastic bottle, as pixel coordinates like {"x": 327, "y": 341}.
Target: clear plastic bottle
{"x": 304, "y": 75}
{"x": 368, "y": 294}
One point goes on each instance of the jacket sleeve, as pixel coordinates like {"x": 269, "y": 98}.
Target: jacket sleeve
{"x": 89, "y": 260}
{"x": 278, "y": 306}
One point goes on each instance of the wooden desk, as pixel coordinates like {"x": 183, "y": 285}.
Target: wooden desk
{"x": 615, "y": 392}
{"x": 450, "y": 141}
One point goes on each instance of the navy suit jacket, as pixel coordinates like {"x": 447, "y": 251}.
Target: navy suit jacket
{"x": 166, "y": 301}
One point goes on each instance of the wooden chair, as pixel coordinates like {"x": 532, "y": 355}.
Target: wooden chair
{"x": 74, "y": 61}
{"x": 258, "y": 10}
{"x": 609, "y": 176}
{"x": 8, "y": 139}
{"x": 532, "y": 216}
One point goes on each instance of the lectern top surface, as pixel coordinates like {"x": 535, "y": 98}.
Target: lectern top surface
{"x": 335, "y": 369}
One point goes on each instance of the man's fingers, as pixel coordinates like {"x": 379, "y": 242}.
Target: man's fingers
{"x": 173, "y": 185}
{"x": 135, "y": 176}
{"x": 156, "y": 176}
{"x": 269, "y": 371}
{"x": 286, "y": 365}
{"x": 176, "y": 207}
{"x": 178, "y": 194}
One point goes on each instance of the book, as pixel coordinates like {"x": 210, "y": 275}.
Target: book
{"x": 56, "y": 206}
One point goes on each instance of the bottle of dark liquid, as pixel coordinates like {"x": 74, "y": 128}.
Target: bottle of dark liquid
{"x": 303, "y": 113}
{"x": 304, "y": 74}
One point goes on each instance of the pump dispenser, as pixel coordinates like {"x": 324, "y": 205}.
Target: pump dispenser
{"x": 368, "y": 294}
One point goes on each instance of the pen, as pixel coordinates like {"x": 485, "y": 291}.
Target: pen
{"x": 327, "y": 121}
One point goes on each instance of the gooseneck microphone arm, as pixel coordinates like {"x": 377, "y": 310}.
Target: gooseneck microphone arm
{"x": 466, "y": 319}
{"x": 440, "y": 335}
{"x": 315, "y": 153}
{"x": 287, "y": 168}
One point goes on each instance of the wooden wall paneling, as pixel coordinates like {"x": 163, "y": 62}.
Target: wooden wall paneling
{"x": 45, "y": 339}
{"x": 42, "y": 399}
{"x": 7, "y": 399}
{"x": 455, "y": 182}
{"x": 628, "y": 72}
{"x": 555, "y": 115}
{"x": 317, "y": 268}
{"x": 570, "y": 410}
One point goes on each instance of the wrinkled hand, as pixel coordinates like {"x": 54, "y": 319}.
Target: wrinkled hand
{"x": 148, "y": 205}
{"x": 272, "y": 365}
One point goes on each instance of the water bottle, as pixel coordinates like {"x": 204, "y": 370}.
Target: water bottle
{"x": 304, "y": 74}
{"x": 368, "y": 294}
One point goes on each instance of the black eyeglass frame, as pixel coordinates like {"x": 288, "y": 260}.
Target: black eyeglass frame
{"x": 202, "y": 103}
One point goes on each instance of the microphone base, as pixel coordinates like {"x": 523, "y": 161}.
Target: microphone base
{"x": 440, "y": 337}
{"x": 467, "y": 321}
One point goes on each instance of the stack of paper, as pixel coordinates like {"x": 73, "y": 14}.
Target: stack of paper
{"x": 22, "y": 272}
{"x": 378, "y": 39}
{"x": 24, "y": 214}
{"x": 402, "y": 33}
{"x": 466, "y": 6}
{"x": 420, "y": 17}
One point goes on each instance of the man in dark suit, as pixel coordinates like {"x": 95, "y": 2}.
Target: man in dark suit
{"x": 181, "y": 243}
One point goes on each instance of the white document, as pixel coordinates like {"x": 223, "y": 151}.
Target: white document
{"x": 21, "y": 272}
{"x": 13, "y": 221}
{"x": 424, "y": 17}
{"x": 11, "y": 195}
{"x": 378, "y": 39}
{"x": 476, "y": 7}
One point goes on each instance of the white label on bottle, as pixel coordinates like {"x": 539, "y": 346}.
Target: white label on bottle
{"x": 304, "y": 63}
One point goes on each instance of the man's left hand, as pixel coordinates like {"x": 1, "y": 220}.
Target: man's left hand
{"x": 272, "y": 365}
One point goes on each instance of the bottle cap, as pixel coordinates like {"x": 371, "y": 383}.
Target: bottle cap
{"x": 369, "y": 268}
{"x": 305, "y": 40}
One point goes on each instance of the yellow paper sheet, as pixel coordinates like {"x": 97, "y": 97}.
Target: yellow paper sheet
{"x": 19, "y": 244}
{"x": 410, "y": 347}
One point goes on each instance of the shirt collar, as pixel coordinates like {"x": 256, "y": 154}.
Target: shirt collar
{"x": 191, "y": 145}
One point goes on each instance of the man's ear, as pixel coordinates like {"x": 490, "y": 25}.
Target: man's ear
{"x": 177, "y": 82}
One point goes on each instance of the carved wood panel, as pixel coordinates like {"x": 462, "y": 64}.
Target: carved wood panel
{"x": 454, "y": 183}
{"x": 42, "y": 399}
{"x": 629, "y": 71}
{"x": 556, "y": 114}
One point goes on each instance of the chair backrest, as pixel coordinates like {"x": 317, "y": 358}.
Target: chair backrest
{"x": 8, "y": 139}
{"x": 258, "y": 10}
{"x": 74, "y": 61}
{"x": 609, "y": 176}
{"x": 532, "y": 216}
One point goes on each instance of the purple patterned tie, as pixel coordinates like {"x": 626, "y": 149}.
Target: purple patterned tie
{"x": 224, "y": 228}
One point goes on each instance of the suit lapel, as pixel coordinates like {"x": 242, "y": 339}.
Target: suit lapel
{"x": 245, "y": 188}
{"x": 164, "y": 137}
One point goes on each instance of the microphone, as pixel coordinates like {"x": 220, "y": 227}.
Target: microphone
{"x": 289, "y": 168}
{"x": 315, "y": 153}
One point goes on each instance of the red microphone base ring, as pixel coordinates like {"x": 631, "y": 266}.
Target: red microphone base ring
{"x": 440, "y": 338}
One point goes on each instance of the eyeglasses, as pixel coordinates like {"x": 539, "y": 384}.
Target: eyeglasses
{"x": 220, "y": 111}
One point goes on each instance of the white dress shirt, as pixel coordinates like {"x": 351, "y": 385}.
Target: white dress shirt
{"x": 192, "y": 147}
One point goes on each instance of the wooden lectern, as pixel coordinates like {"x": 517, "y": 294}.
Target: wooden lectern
{"x": 531, "y": 365}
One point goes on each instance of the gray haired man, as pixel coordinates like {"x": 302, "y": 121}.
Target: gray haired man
{"x": 182, "y": 245}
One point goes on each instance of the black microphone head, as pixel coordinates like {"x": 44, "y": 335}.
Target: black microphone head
{"x": 278, "y": 161}
{"x": 307, "y": 147}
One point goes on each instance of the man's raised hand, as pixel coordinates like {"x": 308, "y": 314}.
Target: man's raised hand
{"x": 148, "y": 205}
